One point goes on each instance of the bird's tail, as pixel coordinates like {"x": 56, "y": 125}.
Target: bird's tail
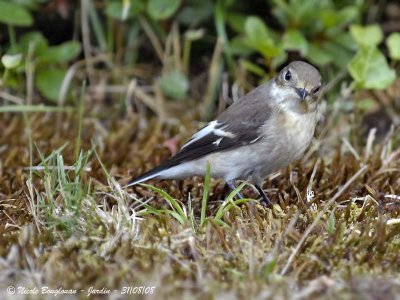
{"x": 146, "y": 176}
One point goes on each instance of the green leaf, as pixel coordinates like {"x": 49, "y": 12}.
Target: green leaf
{"x": 11, "y": 61}
{"x": 393, "y": 44}
{"x": 269, "y": 267}
{"x": 295, "y": 40}
{"x": 366, "y": 104}
{"x": 332, "y": 18}
{"x": 366, "y": 36}
{"x": 162, "y": 9}
{"x": 347, "y": 15}
{"x": 340, "y": 56}
{"x": 239, "y": 46}
{"x": 36, "y": 40}
{"x": 236, "y": 21}
{"x": 256, "y": 29}
{"x": 174, "y": 84}
{"x": 259, "y": 38}
{"x": 61, "y": 53}
{"x": 344, "y": 40}
{"x": 279, "y": 60}
{"x": 31, "y": 4}
{"x": 253, "y": 68}
{"x": 48, "y": 82}
{"x": 115, "y": 9}
{"x": 318, "y": 56}
{"x": 14, "y": 14}
{"x": 370, "y": 69}
{"x": 194, "y": 35}
{"x": 196, "y": 13}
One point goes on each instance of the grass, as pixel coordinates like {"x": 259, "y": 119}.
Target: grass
{"x": 333, "y": 231}
{"x": 65, "y": 220}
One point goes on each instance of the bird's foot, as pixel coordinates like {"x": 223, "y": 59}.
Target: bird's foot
{"x": 264, "y": 198}
{"x": 232, "y": 186}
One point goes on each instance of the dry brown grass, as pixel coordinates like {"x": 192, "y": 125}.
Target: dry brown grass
{"x": 333, "y": 233}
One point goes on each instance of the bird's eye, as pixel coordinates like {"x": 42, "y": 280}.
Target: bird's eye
{"x": 288, "y": 75}
{"x": 316, "y": 90}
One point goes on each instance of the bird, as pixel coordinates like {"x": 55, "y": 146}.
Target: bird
{"x": 259, "y": 134}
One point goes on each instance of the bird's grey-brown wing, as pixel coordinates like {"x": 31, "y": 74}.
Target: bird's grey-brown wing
{"x": 237, "y": 126}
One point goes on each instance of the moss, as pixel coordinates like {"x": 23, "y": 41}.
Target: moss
{"x": 105, "y": 239}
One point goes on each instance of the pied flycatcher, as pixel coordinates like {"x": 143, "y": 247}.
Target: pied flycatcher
{"x": 260, "y": 133}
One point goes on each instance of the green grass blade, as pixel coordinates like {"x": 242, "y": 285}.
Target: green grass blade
{"x": 174, "y": 204}
{"x": 205, "y": 195}
{"x": 229, "y": 206}
{"x": 220, "y": 22}
{"x": 176, "y": 216}
{"x": 80, "y": 109}
{"x": 191, "y": 214}
{"x": 221, "y": 209}
{"x": 30, "y": 141}
{"x": 97, "y": 27}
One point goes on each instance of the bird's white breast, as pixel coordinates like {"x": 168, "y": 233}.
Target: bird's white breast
{"x": 299, "y": 129}
{"x": 285, "y": 140}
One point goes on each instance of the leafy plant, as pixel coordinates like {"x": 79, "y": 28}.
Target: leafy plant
{"x": 161, "y": 9}
{"x": 174, "y": 84}
{"x": 14, "y": 14}
{"x": 321, "y": 38}
{"x": 369, "y": 67}
{"x": 393, "y": 44}
{"x": 49, "y": 63}
{"x": 60, "y": 207}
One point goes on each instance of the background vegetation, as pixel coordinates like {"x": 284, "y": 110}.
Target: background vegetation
{"x": 94, "y": 92}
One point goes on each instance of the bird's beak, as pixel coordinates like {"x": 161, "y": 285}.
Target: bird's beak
{"x": 302, "y": 93}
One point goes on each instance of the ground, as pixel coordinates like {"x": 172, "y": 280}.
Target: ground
{"x": 67, "y": 223}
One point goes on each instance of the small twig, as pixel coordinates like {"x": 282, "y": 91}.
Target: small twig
{"x": 393, "y": 222}
{"x": 370, "y": 142}
{"x": 129, "y": 94}
{"x": 319, "y": 216}
{"x": 214, "y": 77}
{"x": 331, "y": 84}
{"x": 147, "y": 100}
{"x": 351, "y": 148}
{"x": 345, "y": 93}
{"x": 386, "y": 105}
{"x": 11, "y": 98}
{"x": 66, "y": 168}
{"x": 71, "y": 73}
{"x": 30, "y": 71}
{"x": 176, "y": 42}
{"x": 153, "y": 38}
{"x": 311, "y": 181}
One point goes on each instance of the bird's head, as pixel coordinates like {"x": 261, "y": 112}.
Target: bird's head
{"x": 299, "y": 81}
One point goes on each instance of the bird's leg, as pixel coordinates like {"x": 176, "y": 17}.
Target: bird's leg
{"x": 232, "y": 186}
{"x": 265, "y": 200}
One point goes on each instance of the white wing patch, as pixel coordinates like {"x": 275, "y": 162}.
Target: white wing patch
{"x": 217, "y": 142}
{"x": 221, "y": 132}
{"x": 210, "y": 128}
{"x": 255, "y": 140}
